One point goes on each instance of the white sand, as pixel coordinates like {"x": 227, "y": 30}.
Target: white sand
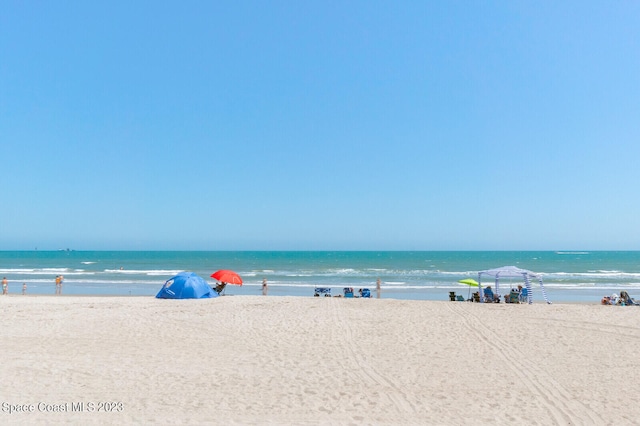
{"x": 293, "y": 360}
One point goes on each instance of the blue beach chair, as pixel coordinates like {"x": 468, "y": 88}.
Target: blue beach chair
{"x": 365, "y": 292}
{"x": 524, "y": 296}
{"x": 626, "y": 300}
{"x": 489, "y": 297}
{"x": 348, "y": 292}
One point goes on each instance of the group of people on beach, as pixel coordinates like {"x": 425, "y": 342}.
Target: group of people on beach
{"x": 5, "y": 286}
{"x": 516, "y": 295}
{"x": 622, "y": 300}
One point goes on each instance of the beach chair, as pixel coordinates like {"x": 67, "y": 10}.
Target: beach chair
{"x": 322, "y": 291}
{"x": 626, "y": 300}
{"x": 460, "y": 298}
{"x": 475, "y": 297}
{"x": 489, "y": 296}
{"x": 365, "y": 292}
{"x": 514, "y": 296}
{"x": 219, "y": 288}
{"x": 348, "y": 292}
{"x": 452, "y": 296}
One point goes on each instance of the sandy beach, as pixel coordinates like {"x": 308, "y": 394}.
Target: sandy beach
{"x": 296, "y": 360}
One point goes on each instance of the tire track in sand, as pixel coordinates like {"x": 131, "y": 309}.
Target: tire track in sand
{"x": 558, "y": 400}
{"x": 362, "y": 371}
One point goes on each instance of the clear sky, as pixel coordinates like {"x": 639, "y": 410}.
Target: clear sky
{"x": 304, "y": 125}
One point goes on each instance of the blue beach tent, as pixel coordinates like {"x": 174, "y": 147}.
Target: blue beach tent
{"x": 186, "y": 285}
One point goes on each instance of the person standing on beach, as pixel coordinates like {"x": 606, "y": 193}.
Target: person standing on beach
{"x": 5, "y": 286}
{"x": 24, "y": 288}
{"x": 378, "y": 288}
{"x": 61, "y": 281}
{"x": 264, "y": 287}
{"x": 57, "y": 284}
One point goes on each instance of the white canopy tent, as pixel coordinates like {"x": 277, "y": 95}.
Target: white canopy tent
{"x": 512, "y": 272}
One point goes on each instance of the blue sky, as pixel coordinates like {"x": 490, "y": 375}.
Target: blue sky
{"x": 340, "y": 125}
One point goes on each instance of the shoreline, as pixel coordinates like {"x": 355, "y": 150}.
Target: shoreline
{"x": 587, "y": 296}
{"x": 295, "y": 360}
{"x": 140, "y": 296}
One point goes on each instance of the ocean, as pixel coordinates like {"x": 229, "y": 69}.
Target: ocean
{"x": 568, "y": 276}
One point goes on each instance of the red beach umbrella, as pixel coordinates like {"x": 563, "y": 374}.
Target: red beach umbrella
{"x": 227, "y": 276}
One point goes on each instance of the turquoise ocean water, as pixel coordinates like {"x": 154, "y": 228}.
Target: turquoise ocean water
{"x": 576, "y": 276}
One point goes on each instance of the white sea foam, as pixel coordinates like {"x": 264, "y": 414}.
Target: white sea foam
{"x": 35, "y": 271}
{"x": 457, "y": 273}
{"x": 592, "y": 274}
{"x": 116, "y": 283}
{"x": 345, "y": 271}
{"x": 572, "y": 252}
{"x": 156, "y": 272}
